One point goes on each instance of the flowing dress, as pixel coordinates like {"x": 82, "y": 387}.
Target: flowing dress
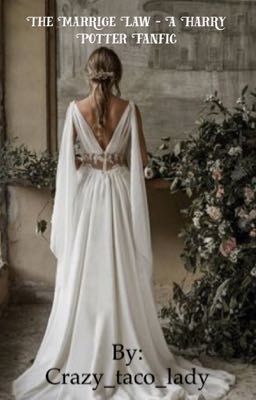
{"x": 103, "y": 297}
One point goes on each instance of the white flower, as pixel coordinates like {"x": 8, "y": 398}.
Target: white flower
{"x": 148, "y": 172}
{"x": 239, "y": 100}
{"x": 196, "y": 219}
{"x": 214, "y": 212}
{"x": 253, "y": 233}
{"x": 209, "y": 97}
{"x": 233, "y": 255}
{"x": 209, "y": 244}
{"x": 241, "y": 213}
{"x": 222, "y": 228}
{"x": 253, "y": 272}
{"x": 235, "y": 151}
{"x": 208, "y": 240}
{"x": 196, "y": 222}
{"x": 252, "y": 214}
{"x": 208, "y": 197}
{"x": 162, "y": 169}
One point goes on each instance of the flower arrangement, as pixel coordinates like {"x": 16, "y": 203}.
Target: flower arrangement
{"x": 217, "y": 169}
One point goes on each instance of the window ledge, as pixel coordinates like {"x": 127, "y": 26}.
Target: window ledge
{"x": 158, "y": 183}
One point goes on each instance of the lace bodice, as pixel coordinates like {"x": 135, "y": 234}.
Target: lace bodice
{"x": 104, "y": 161}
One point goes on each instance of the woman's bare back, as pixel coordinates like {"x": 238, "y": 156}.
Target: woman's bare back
{"x": 117, "y": 107}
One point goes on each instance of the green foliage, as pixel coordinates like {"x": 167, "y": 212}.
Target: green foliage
{"x": 19, "y": 164}
{"x": 217, "y": 167}
{"x": 161, "y": 160}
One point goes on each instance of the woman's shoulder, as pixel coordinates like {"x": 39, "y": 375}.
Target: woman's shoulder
{"x": 114, "y": 99}
{"x": 81, "y": 102}
{"x": 116, "y": 103}
{"x": 119, "y": 104}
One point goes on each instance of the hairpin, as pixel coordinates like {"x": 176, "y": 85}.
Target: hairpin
{"x": 101, "y": 75}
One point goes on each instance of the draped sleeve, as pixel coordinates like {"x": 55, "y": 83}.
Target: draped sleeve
{"x": 139, "y": 203}
{"x": 65, "y": 190}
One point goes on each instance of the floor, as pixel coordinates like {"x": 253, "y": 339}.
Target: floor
{"x": 22, "y": 328}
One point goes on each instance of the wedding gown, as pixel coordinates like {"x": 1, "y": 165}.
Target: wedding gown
{"x": 103, "y": 292}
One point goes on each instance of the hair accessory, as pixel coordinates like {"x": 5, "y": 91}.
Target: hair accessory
{"x": 101, "y": 75}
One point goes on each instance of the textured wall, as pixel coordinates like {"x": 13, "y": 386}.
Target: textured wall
{"x": 168, "y": 82}
{"x": 25, "y": 73}
{"x": 29, "y": 255}
{"x": 4, "y": 286}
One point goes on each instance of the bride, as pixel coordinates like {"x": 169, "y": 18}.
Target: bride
{"x": 103, "y": 339}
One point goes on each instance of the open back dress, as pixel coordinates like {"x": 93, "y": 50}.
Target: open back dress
{"x": 103, "y": 331}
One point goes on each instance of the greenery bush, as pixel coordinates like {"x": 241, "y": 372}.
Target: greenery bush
{"x": 217, "y": 169}
{"x": 20, "y": 165}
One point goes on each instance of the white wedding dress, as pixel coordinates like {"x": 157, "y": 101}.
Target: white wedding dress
{"x": 103, "y": 294}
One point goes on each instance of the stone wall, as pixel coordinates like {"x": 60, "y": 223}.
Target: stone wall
{"x": 168, "y": 82}
{"x": 31, "y": 263}
{"x": 4, "y": 283}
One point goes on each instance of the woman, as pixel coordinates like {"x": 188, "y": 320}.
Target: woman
{"x": 103, "y": 339}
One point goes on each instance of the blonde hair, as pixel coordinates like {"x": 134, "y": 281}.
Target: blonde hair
{"x": 105, "y": 69}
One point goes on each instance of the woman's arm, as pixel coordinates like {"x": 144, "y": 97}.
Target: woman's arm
{"x": 143, "y": 147}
